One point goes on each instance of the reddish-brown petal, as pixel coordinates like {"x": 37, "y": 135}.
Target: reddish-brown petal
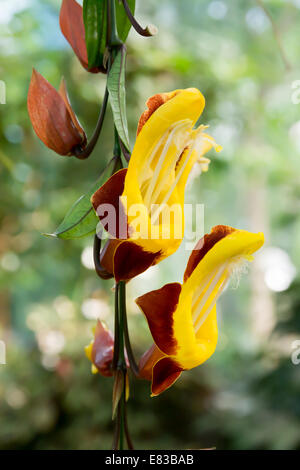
{"x": 64, "y": 94}
{"x": 147, "y": 361}
{"x": 72, "y": 27}
{"x": 130, "y": 260}
{"x": 158, "y": 307}
{"x": 205, "y": 244}
{"x": 107, "y": 255}
{"x": 103, "y": 350}
{"x": 165, "y": 373}
{"x": 109, "y": 194}
{"x": 50, "y": 117}
{"x": 125, "y": 260}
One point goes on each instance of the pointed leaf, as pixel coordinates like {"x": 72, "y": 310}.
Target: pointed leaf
{"x": 117, "y": 93}
{"x": 81, "y": 220}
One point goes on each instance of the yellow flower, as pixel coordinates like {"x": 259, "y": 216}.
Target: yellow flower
{"x": 182, "y": 317}
{"x": 150, "y": 223}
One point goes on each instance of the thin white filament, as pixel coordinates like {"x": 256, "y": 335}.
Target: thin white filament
{"x": 201, "y": 289}
{"x": 211, "y": 305}
{"x": 160, "y": 162}
{"x": 208, "y": 292}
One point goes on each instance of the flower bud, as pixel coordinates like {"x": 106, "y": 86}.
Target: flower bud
{"x": 101, "y": 350}
{"x": 52, "y": 117}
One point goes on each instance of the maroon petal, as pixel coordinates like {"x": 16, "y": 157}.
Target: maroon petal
{"x": 158, "y": 307}
{"x": 165, "y": 373}
{"x": 108, "y": 196}
{"x": 131, "y": 259}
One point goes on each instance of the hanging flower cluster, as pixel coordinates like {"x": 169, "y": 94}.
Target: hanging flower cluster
{"x": 140, "y": 206}
{"x": 181, "y": 317}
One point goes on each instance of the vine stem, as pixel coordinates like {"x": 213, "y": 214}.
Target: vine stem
{"x": 121, "y": 336}
{"x": 150, "y": 30}
{"x": 113, "y": 43}
{"x": 120, "y": 366}
{"x": 117, "y": 329}
{"x": 122, "y": 361}
{"x": 83, "y": 154}
{"x": 133, "y": 365}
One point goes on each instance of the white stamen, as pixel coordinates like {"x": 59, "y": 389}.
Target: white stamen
{"x": 167, "y": 172}
{"x": 200, "y": 291}
{"x": 169, "y": 193}
{"x": 160, "y": 163}
{"x": 210, "y": 289}
{"x": 211, "y": 305}
{"x": 151, "y": 157}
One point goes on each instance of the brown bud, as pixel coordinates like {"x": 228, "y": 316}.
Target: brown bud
{"x": 52, "y": 117}
{"x": 72, "y": 27}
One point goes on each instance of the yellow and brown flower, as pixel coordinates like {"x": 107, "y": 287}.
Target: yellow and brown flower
{"x": 182, "y": 317}
{"x": 166, "y": 149}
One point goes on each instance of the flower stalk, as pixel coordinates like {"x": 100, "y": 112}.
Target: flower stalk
{"x": 149, "y": 31}
{"x": 120, "y": 367}
{"x": 84, "y": 153}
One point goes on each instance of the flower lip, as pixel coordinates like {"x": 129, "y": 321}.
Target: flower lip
{"x": 205, "y": 244}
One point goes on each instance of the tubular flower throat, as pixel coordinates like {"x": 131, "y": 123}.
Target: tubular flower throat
{"x": 148, "y": 197}
{"x": 182, "y": 317}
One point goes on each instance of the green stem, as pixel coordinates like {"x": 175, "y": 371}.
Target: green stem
{"x": 83, "y": 154}
{"x": 117, "y": 330}
{"x": 133, "y": 365}
{"x": 122, "y": 300}
{"x": 122, "y": 405}
{"x": 113, "y": 39}
{"x": 122, "y": 364}
{"x": 122, "y": 360}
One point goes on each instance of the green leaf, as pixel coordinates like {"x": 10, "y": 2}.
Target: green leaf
{"x": 117, "y": 94}
{"x": 94, "y": 17}
{"x": 123, "y": 23}
{"x": 81, "y": 220}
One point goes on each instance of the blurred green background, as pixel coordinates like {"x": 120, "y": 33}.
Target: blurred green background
{"x": 247, "y": 395}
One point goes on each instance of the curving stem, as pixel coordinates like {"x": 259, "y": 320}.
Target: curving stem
{"x": 82, "y": 154}
{"x": 150, "y": 30}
